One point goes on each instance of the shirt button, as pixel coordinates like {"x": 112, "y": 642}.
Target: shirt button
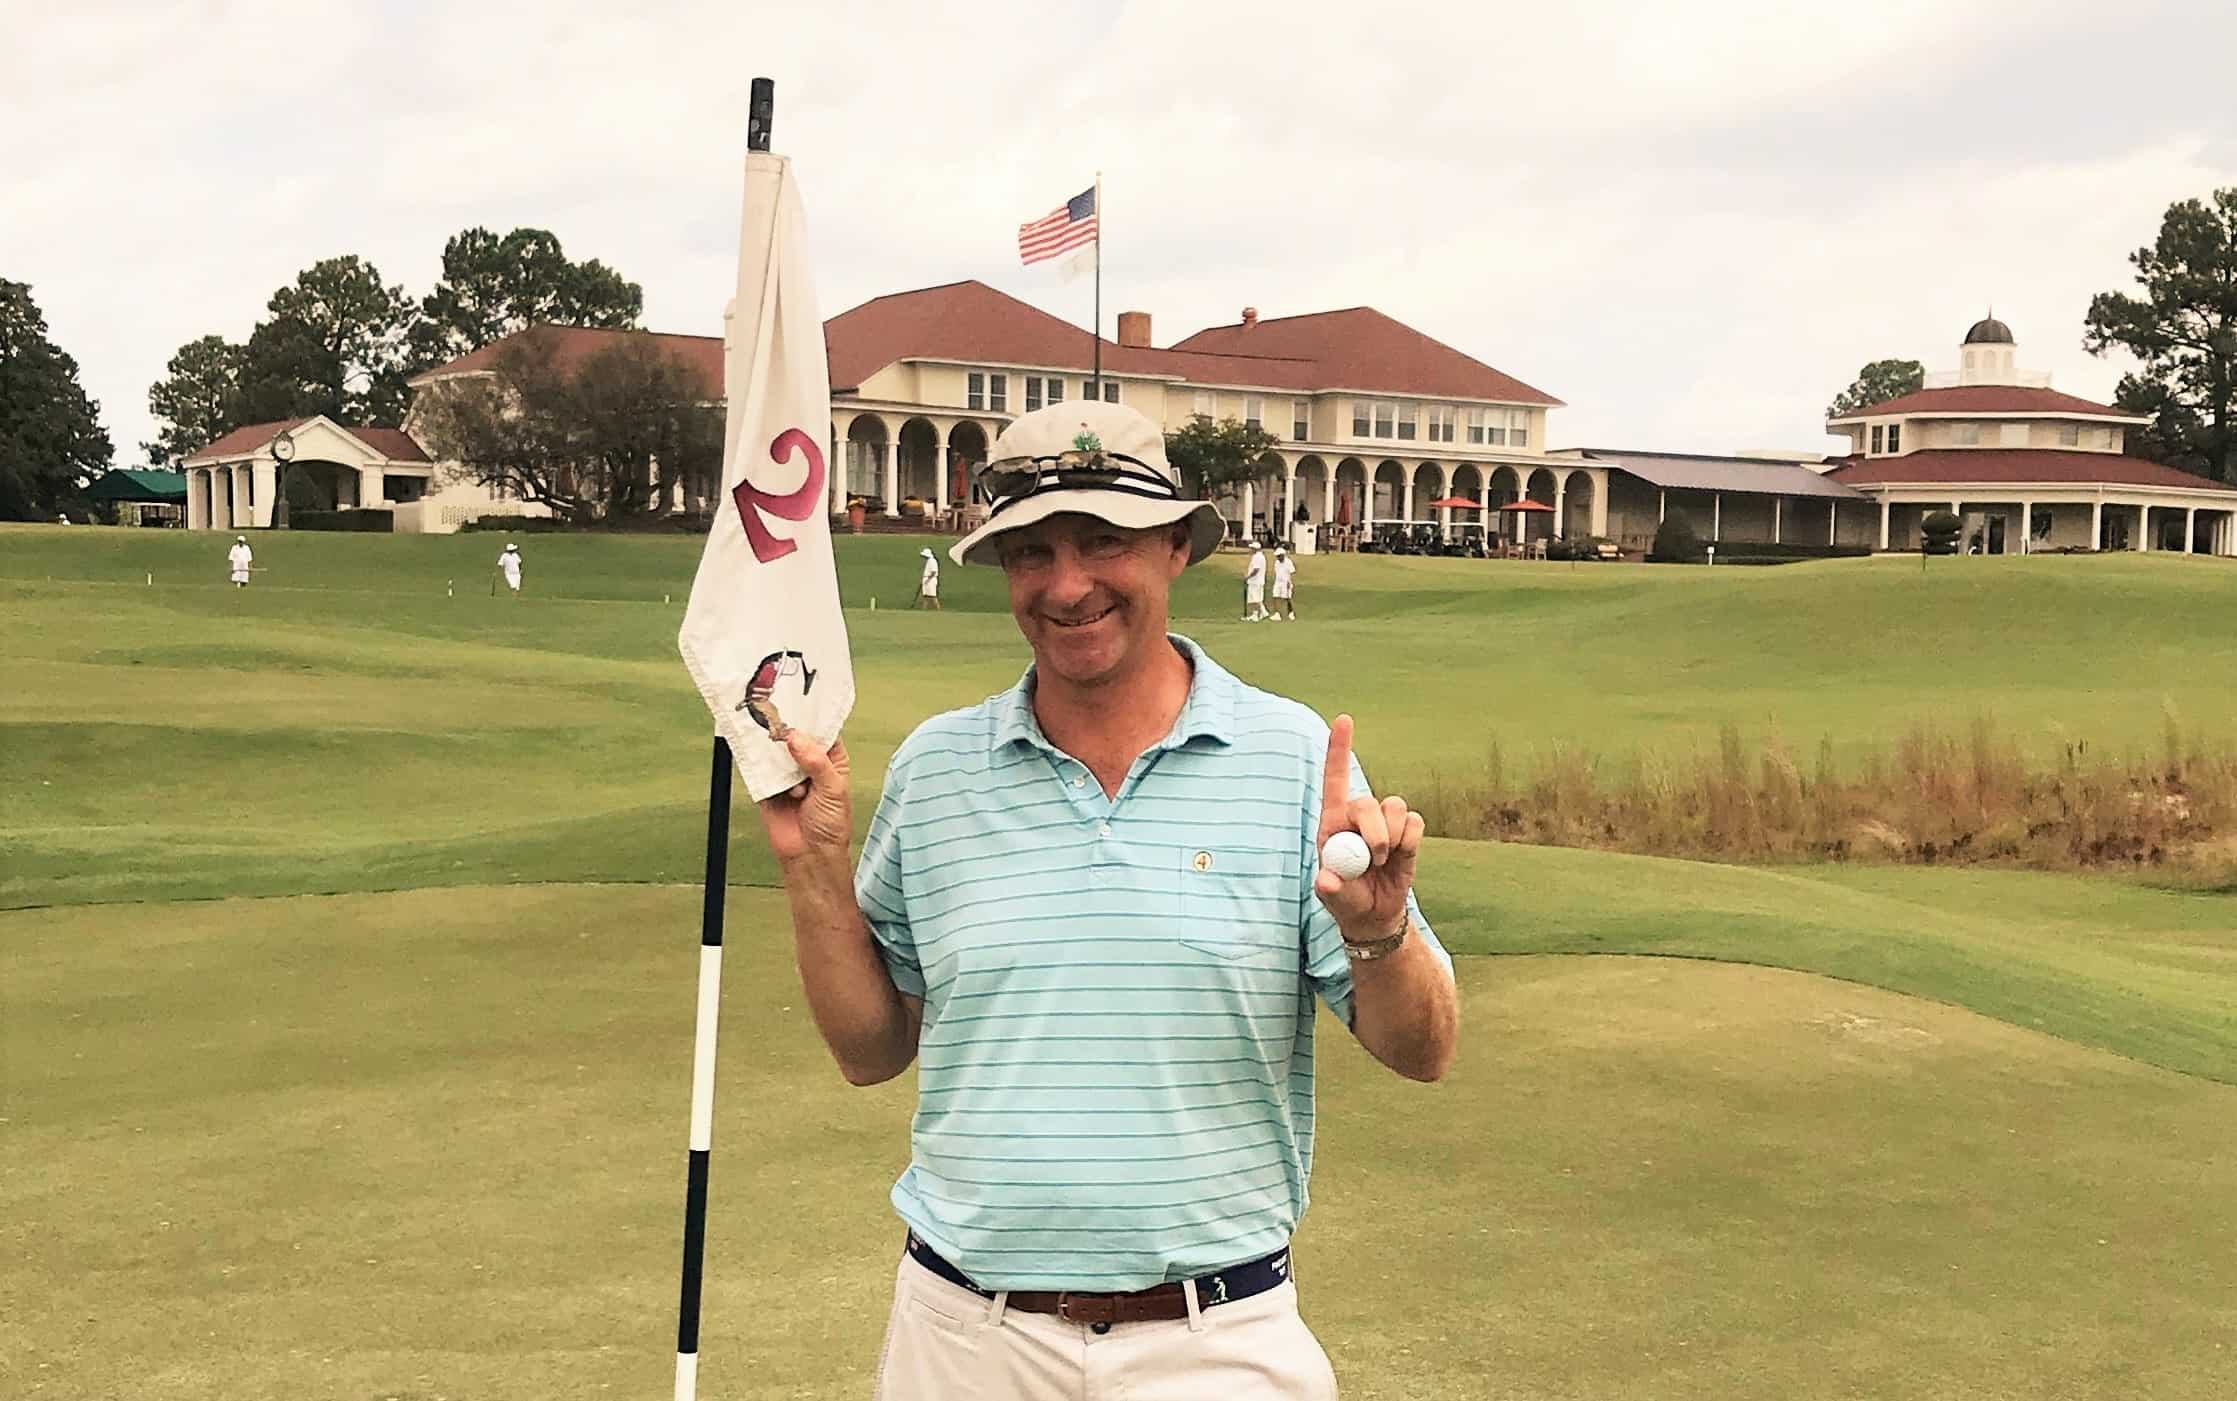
{"x": 1100, "y": 1327}
{"x": 1079, "y": 781}
{"x": 1104, "y": 830}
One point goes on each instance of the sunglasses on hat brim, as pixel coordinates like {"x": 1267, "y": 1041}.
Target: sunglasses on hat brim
{"x": 1021, "y": 476}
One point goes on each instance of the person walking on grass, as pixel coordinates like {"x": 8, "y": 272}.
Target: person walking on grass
{"x": 928, "y": 583}
{"x": 239, "y": 560}
{"x": 1254, "y": 585}
{"x": 1089, "y": 909}
{"x": 1285, "y": 585}
{"x": 508, "y": 564}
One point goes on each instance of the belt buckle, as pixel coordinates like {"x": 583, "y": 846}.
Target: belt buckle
{"x": 1086, "y": 1308}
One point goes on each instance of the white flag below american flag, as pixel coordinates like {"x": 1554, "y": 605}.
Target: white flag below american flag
{"x": 1070, "y": 225}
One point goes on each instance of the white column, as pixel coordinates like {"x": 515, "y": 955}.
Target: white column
{"x": 370, "y": 491}
{"x": 941, "y": 468}
{"x": 194, "y": 503}
{"x": 242, "y": 519}
{"x": 1661, "y": 505}
{"x": 893, "y": 474}
{"x": 1249, "y": 505}
{"x": 836, "y": 465}
{"x": 263, "y": 484}
{"x": 2097, "y": 524}
{"x": 1367, "y": 504}
{"x": 1406, "y": 495}
{"x": 2143, "y": 529}
{"x": 1289, "y": 503}
{"x": 1600, "y": 504}
{"x": 1716, "y": 517}
{"x": 1885, "y": 506}
{"x": 1832, "y": 523}
{"x": 1560, "y": 507}
{"x": 1327, "y": 495}
{"x": 2027, "y": 527}
{"x": 1778, "y": 517}
{"x": 2190, "y": 530}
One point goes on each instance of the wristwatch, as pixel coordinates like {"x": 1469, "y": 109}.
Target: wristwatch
{"x": 1373, "y": 949}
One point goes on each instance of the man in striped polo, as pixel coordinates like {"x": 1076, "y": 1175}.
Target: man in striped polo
{"x": 1091, "y": 909}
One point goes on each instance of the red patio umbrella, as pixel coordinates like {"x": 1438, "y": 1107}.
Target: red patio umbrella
{"x": 1458, "y": 503}
{"x": 1527, "y": 505}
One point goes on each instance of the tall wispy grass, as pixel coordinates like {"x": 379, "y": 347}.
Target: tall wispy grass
{"x": 1933, "y": 796}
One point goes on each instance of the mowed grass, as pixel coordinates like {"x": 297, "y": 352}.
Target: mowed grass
{"x": 429, "y": 1145}
{"x": 346, "y": 724}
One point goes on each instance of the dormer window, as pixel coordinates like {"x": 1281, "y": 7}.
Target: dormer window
{"x": 1965, "y": 435}
{"x": 1876, "y": 438}
{"x": 2070, "y": 435}
{"x": 1895, "y": 437}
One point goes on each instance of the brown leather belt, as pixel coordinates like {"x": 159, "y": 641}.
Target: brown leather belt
{"x": 1160, "y": 1303}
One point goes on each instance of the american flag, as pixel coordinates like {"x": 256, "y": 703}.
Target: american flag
{"x": 1061, "y": 230}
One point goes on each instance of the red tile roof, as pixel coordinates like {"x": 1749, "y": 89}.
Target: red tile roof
{"x": 574, "y": 344}
{"x": 1986, "y": 398}
{"x": 1360, "y": 348}
{"x": 969, "y": 321}
{"x": 2016, "y": 466}
{"x": 392, "y": 443}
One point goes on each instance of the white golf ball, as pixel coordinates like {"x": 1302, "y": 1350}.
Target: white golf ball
{"x": 1346, "y": 855}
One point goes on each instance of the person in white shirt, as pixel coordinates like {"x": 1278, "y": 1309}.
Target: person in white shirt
{"x": 928, "y": 585}
{"x": 1285, "y": 586}
{"x": 1254, "y": 586}
{"x": 508, "y": 562}
{"x": 238, "y": 560}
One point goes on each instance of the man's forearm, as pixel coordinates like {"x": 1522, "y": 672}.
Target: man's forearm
{"x": 1406, "y": 1011}
{"x": 869, "y": 1026}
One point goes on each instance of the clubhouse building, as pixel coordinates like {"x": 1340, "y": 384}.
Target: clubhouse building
{"x": 2026, "y": 467}
{"x": 1375, "y": 424}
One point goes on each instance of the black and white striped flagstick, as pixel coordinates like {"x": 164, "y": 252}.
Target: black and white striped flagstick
{"x": 703, "y": 1072}
{"x": 760, "y": 108}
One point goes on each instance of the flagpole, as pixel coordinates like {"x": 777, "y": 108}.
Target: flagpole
{"x": 760, "y": 108}
{"x": 1098, "y": 381}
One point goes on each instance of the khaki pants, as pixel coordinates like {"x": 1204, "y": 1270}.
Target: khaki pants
{"x": 945, "y": 1343}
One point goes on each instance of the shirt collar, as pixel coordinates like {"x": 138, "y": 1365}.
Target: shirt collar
{"x": 1208, "y": 713}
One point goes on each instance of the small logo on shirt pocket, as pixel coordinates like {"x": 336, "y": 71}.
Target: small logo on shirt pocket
{"x": 1201, "y": 861}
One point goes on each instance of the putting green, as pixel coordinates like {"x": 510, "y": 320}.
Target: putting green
{"x": 430, "y": 1144}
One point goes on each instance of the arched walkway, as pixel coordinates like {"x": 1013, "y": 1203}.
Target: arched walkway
{"x": 1427, "y": 481}
{"x": 1576, "y": 507}
{"x": 866, "y": 459}
{"x": 920, "y": 463}
{"x": 1544, "y": 487}
{"x": 1391, "y": 500}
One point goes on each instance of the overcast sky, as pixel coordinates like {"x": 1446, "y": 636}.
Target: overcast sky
{"x": 1690, "y": 221}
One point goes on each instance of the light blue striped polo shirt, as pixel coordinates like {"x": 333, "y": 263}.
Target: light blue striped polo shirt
{"x": 1115, "y": 1076}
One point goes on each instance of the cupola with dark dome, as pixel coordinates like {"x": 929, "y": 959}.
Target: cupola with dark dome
{"x": 1986, "y": 354}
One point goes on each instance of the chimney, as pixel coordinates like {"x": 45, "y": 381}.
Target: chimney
{"x": 1134, "y": 329}
{"x": 1250, "y": 317}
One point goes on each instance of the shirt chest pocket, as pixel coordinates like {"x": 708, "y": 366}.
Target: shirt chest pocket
{"x": 1235, "y": 904}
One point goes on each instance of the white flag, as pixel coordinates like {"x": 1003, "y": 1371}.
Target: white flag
{"x": 762, "y": 636}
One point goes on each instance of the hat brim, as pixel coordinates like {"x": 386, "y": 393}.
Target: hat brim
{"x": 1205, "y": 527}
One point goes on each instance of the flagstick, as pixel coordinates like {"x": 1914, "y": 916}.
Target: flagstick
{"x": 760, "y": 109}
{"x": 703, "y": 1071}
{"x": 1098, "y": 381}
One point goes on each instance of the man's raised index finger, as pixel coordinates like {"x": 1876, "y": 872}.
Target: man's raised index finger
{"x": 1336, "y": 775}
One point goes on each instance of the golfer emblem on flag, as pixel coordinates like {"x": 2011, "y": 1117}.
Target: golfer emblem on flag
{"x": 770, "y": 677}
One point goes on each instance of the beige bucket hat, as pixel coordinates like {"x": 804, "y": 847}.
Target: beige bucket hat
{"x": 1101, "y": 460}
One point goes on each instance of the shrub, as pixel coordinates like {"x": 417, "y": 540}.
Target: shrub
{"x": 517, "y": 525}
{"x": 1938, "y": 532}
{"x": 366, "y": 518}
{"x": 1675, "y": 543}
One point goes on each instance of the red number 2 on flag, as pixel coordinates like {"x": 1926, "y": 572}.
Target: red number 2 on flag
{"x": 796, "y": 505}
